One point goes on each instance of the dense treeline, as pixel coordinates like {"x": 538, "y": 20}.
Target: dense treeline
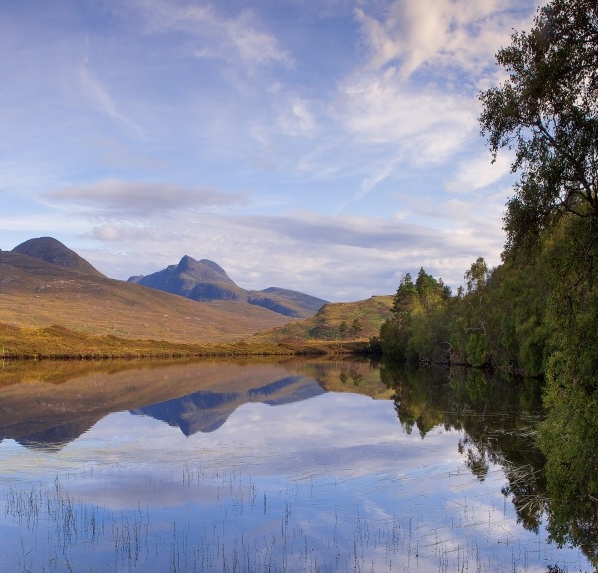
{"x": 537, "y": 313}
{"x": 498, "y": 320}
{"x": 532, "y": 316}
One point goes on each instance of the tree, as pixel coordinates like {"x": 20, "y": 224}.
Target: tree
{"x": 356, "y": 327}
{"x": 477, "y": 276}
{"x": 404, "y": 298}
{"x": 415, "y": 328}
{"x": 342, "y": 329}
{"x": 547, "y": 112}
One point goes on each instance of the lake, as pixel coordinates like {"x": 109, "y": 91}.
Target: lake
{"x": 249, "y": 466}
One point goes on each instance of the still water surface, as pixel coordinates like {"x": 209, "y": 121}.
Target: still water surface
{"x": 261, "y": 467}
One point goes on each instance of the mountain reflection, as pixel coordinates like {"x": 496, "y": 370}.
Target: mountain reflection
{"x": 48, "y": 406}
{"x": 206, "y": 411}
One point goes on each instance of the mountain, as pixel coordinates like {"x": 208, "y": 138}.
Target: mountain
{"x": 71, "y": 293}
{"x": 53, "y": 251}
{"x": 205, "y": 281}
{"x": 202, "y": 281}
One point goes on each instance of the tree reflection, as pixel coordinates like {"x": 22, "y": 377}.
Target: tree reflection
{"x": 569, "y": 439}
{"x": 550, "y": 460}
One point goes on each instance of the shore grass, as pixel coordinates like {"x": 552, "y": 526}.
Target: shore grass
{"x": 59, "y": 342}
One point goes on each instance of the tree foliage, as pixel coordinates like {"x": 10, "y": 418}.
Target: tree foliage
{"x": 547, "y": 112}
{"x": 413, "y": 331}
{"x": 499, "y": 320}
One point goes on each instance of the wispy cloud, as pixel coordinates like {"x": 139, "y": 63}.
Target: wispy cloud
{"x": 99, "y": 96}
{"x": 439, "y": 34}
{"x": 297, "y": 119}
{"x": 142, "y": 199}
{"x": 413, "y": 95}
{"x": 236, "y": 40}
{"x": 132, "y": 129}
{"x": 338, "y": 258}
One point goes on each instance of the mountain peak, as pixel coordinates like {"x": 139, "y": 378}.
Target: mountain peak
{"x": 203, "y": 267}
{"x": 53, "y": 251}
{"x": 185, "y": 263}
{"x": 206, "y": 281}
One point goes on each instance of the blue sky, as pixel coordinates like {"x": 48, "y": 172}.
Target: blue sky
{"x": 327, "y": 146}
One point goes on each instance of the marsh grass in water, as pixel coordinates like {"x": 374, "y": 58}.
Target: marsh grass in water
{"x": 256, "y": 531}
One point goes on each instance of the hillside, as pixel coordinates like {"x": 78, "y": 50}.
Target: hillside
{"x": 36, "y": 293}
{"x": 205, "y": 281}
{"x": 325, "y": 324}
{"x": 54, "y": 303}
{"x": 52, "y": 251}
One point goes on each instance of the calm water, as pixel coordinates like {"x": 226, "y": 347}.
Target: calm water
{"x": 301, "y": 466}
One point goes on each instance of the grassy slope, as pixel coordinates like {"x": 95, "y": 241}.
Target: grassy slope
{"x": 324, "y": 326}
{"x": 37, "y": 294}
{"x": 48, "y": 311}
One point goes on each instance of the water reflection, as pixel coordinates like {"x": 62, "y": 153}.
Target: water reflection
{"x": 194, "y": 396}
{"x": 569, "y": 439}
{"x": 272, "y": 467}
{"x": 550, "y": 459}
{"x": 206, "y": 411}
{"x": 499, "y": 417}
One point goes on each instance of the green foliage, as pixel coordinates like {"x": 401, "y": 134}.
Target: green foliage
{"x": 499, "y": 320}
{"x": 342, "y": 330}
{"x": 356, "y": 327}
{"x": 476, "y": 349}
{"x": 569, "y": 440}
{"x": 415, "y": 331}
{"x": 547, "y": 112}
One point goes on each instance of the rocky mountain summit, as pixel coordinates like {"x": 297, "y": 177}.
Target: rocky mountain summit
{"x": 206, "y": 281}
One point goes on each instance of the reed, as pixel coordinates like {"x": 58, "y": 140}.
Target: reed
{"x": 260, "y": 529}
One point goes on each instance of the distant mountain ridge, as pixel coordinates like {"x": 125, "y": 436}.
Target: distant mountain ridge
{"x": 206, "y": 281}
{"x": 44, "y": 284}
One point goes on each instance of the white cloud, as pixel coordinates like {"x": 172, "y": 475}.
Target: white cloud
{"x": 437, "y": 33}
{"x": 412, "y": 101}
{"x": 338, "y": 258}
{"x": 298, "y": 120}
{"x": 427, "y": 126}
{"x": 376, "y": 177}
{"x": 479, "y": 172}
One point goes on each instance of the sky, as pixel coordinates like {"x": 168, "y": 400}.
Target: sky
{"x": 324, "y": 146}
